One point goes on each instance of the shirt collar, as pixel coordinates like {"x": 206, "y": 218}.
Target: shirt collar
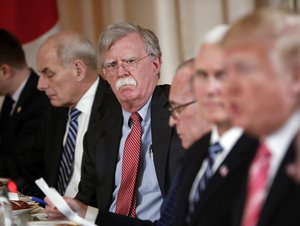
{"x": 144, "y": 112}
{"x": 228, "y": 139}
{"x": 279, "y": 141}
{"x": 86, "y": 101}
{"x": 18, "y": 92}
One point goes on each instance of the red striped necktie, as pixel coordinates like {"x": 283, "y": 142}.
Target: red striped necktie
{"x": 257, "y": 184}
{"x": 127, "y": 195}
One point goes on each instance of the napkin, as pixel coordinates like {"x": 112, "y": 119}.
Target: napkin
{"x": 60, "y": 203}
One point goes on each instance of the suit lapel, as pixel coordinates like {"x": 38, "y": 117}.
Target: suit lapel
{"x": 192, "y": 163}
{"x": 161, "y": 134}
{"x": 56, "y": 131}
{"x": 97, "y": 111}
{"x": 107, "y": 158}
{"x": 29, "y": 87}
{"x": 241, "y": 154}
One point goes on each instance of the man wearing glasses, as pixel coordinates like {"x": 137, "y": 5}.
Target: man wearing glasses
{"x": 130, "y": 160}
{"x": 186, "y": 115}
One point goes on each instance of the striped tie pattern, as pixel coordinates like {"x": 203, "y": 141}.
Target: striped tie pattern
{"x": 127, "y": 195}
{"x": 208, "y": 173}
{"x": 65, "y": 169}
{"x": 257, "y": 183}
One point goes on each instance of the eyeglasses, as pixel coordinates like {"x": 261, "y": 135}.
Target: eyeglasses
{"x": 175, "y": 111}
{"x": 128, "y": 65}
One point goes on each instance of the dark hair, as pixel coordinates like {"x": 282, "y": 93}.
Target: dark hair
{"x": 11, "y": 51}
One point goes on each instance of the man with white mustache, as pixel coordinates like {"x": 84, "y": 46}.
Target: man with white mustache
{"x": 130, "y": 60}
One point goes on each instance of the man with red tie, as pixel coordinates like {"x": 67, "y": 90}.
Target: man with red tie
{"x": 262, "y": 52}
{"x": 130, "y": 160}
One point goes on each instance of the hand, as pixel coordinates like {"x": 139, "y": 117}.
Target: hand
{"x": 293, "y": 170}
{"x": 77, "y": 206}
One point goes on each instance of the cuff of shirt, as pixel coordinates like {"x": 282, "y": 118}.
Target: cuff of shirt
{"x": 91, "y": 214}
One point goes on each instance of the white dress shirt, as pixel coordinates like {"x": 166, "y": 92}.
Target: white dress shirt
{"x": 279, "y": 142}
{"x": 85, "y": 106}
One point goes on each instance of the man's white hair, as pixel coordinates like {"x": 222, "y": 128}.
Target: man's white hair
{"x": 215, "y": 35}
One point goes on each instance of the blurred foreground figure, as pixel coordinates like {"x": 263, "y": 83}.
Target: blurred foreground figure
{"x": 186, "y": 114}
{"x": 263, "y": 63}
{"x": 215, "y": 166}
{"x": 24, "y": 105}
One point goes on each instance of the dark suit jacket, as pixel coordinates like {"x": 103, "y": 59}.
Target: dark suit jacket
{"x": 283, "y": 201}
{"x": 218, "y": 199}
{"x": 216, "y": 203}
{"x": 28, "y": 113}
{"x": 102, "y": 147}
{"x": 42, "y": 158}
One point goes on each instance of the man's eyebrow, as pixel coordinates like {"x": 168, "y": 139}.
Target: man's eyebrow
{"x": 46, "y": 70}
{"x": 200, "y": 72}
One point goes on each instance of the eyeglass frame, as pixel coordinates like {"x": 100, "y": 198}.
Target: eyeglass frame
{"x": 175, "y": 111}
{"x": 134, "y": 62}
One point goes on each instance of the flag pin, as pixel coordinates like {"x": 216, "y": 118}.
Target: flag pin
{"x": 223, "y": 171}
{"x": 19, "y": 109}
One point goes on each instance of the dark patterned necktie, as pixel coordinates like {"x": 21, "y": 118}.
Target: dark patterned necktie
{"x": 66, "y": 163}
{"x": 208, "y": 173}
{"x": 5, "y": 114}
{"x": 127, "y": 195}
{"x": 169, "y": 205}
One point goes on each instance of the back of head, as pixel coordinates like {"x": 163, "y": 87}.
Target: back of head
{"x": 277, "y": 29}
{"x": 11, "y": 51}
{"x": 183, "y": 80}
{"x": 71, "y": 46}
{"x": 116, "y": 31}
{"x": 265, "y": 23}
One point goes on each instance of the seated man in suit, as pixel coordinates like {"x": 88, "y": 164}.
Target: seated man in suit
{"x": 67, "y": 65}
{"x": 293, "y": 169}
{"x": 186, "y": 115}
{"x": 130, "y": 58}
{"x": 24, "y": 105}
{"x": 215, "y": 166}
{"x": 262, "y": 51}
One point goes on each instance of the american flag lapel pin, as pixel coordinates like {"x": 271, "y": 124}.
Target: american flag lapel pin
{"x": 19, "y": 109}
{"x": 224, "y": 170}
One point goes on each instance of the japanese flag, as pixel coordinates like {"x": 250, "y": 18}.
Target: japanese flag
{"x": 32, "y": 21}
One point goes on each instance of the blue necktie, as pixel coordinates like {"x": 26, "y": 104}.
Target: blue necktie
{"x": 65, "y": 169}
{"x": 208, "y": 173}
{"x": 168, "y": 209}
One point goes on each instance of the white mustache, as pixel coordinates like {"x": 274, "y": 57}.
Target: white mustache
{"x": 125, "y": 81}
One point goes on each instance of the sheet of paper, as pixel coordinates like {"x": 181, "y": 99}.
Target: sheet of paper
{"x": 60, "y": 203}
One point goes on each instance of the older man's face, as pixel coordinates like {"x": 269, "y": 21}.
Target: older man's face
{"x": 131, "y": 87}
{"x": 260, "y": 97}
{"x": 208, "y": 83}
{"x": 186, "y": 114}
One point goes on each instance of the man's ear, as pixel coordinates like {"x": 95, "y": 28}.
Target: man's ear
{"x": 6, "y": 71}
{"x": 80, "y": 70}
{"x": 156, "y": 65}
